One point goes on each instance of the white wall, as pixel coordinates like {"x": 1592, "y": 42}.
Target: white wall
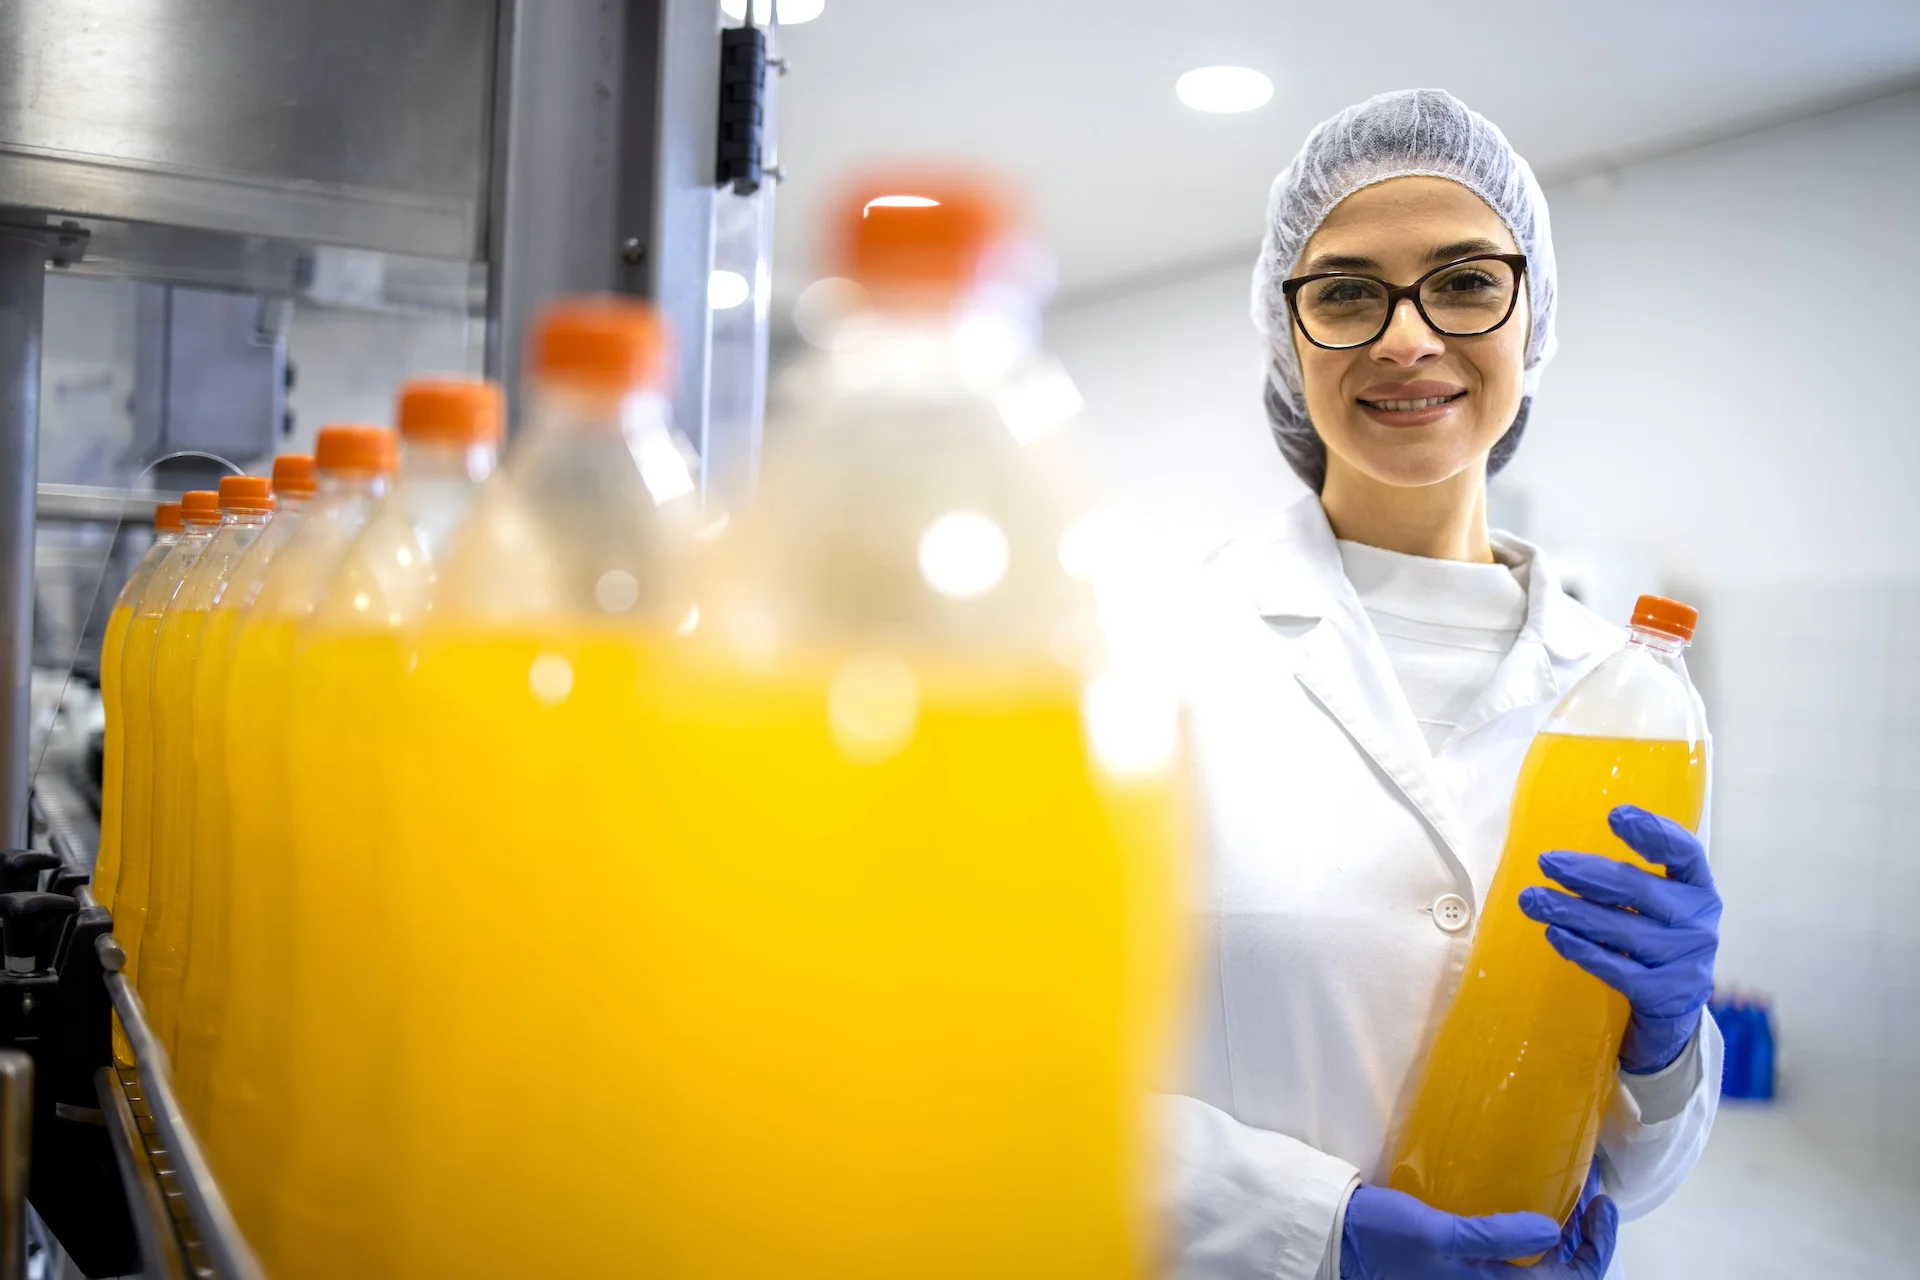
{"x": 1731, "y": 417}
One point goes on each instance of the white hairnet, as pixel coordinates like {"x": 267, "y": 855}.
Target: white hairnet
{"x": 1409, "y": 132}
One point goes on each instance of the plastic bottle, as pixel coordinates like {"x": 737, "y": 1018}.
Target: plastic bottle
{"x": 200, "y": 516}
{"x": 113, "y": 648}
{"x": 1508, "y": 1107}
{"x": 245, "y": 504}
{"x": 334, "y": 1189}
{"x": 897, "y": 946}
{"x": 353, "y": 464}
{"x": 203, "y": 994}
{"x": 522, "y": 744}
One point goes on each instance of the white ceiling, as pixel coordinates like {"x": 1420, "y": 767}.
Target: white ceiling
{"x": 1074, "y": 101}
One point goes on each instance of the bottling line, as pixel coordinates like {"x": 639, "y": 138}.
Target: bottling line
{"x": 214, "y": 212}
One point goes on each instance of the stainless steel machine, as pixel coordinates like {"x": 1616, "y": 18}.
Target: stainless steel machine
{"x": 221, "y": 222}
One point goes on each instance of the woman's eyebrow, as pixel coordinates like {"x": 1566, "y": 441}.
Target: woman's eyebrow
{"x": 1359, "y": 262}
{"x": 1341, "y": 262}
{"x": 1461, "y": 249}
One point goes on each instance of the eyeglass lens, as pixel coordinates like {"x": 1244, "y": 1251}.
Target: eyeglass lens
{"x": 1459, "y": 301}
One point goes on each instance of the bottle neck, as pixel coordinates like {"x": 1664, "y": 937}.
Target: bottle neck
{"x": 348, "y": 486}
{"x": 246, "y": 519}
{"x": 291, "y": 503}
{"x": 198, "y": 532}
{"x": 975, "y": 344}
{"x": 1657, "y": 642}
{"x": 561, "y": 410}
{"x": 430, "y": 459}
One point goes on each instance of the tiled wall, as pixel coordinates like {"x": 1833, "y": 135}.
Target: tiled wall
{"x": 1813, "y": 693}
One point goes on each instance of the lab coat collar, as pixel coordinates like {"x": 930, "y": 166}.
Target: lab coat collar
{"x": 1293, "y": 568}
{"x": 1293, "y": 572}
{"x": 1300, "y": 588}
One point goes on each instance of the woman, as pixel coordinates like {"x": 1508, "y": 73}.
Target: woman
{"x": 1378, "y": 666}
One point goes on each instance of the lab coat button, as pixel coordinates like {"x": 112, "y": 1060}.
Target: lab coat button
{"x": 1450, "y": 912}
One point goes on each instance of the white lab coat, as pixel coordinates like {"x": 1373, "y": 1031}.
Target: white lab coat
{"x": 1334, "y": 831}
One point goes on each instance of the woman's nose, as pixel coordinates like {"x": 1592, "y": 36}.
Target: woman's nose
{"x": 1408, "y": 339}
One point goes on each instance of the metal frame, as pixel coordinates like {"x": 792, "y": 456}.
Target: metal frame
{"x": 27, "y": 245}
{"x": 605, "y": 135}
{"x": 218, "y": 1233}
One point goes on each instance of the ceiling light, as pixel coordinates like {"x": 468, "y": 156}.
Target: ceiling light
{"x": 727, "y": 290}
{"x": 792, "y": 12}
{"x": 899, "y": 202}
{"x": 1224, "y": 90}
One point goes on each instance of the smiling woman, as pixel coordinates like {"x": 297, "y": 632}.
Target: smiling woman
{"x": 1377, "y": 664}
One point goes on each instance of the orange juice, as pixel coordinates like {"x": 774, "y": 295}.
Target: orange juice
{"x": 203, "y": 991}
{"x": 334, "y": 1194}
{"x": 1507, "y": 1110}
{"x": 838, "y": 1030}
{"x": 200, "y": 513}
{"x": 245, "y": 503}
{"x": 247, "y": 1086}
{"x": 136, "y": 782}
{"x": 113, "y": 652}
{"x": 176, "y": 646}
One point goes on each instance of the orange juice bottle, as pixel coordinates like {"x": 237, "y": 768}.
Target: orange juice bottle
{"x": 1508, "y": 1107}
{"x": 200, "y": 516}
{"x": 203, "y": 992}
{"x": 245, "y": 504}
{"x": 895, "y": 945}
{"x": 334, "y": 1189}
{"x": 113, "y": 649}
{"x": 248, "y": 1082}
{"x": 521, "y": 742}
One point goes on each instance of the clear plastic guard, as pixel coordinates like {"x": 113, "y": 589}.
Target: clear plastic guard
{"x": 741, "y": 300}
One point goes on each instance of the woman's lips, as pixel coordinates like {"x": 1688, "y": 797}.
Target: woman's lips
{"x": 1403, "y": 410}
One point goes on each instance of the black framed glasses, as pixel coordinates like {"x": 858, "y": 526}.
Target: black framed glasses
{"x": 1338, "y": 310}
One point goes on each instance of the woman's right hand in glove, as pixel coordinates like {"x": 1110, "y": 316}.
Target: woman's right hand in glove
{"x": 1389, "y": 1235}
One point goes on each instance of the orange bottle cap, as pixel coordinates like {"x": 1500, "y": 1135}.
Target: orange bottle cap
{"x": 924, "y": 236}
{"x": 1668, "y": 617}
{"x": 352, "y": 448}
{"x": 293, "y": 474}
{"x": 450, "y": 410}
{"x": 246, "y": 493}
{"x": 608, "y": 343}
{"x": 166, "y": 518}
{"x": 200, "y": 506}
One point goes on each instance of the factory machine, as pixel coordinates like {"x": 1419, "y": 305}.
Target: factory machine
{"x": 222, "y": 222}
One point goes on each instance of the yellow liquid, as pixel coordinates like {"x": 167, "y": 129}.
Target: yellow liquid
{"x": 163, "y": 968}
{"x": 136, "y": 792}
{"x": 113, "y": 648}
{"x": 708, "y": 980}
{"x": 247, "y": 1097}
{"x": 203, "y": 994}
{"x": 1508, "y": 1110}
{"x": 334, "y": 1187}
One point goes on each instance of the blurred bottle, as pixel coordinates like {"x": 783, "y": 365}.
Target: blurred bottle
{"x": 353, "y": 464}
{"x": 203, "y": 992}
{"x": 525, "y": 737}
{"x": 200, "y": 516}
{"x": 113, "y": 648}
{"x": 245, "y": 504}
{"x": 1508, "y": 1107}
{"x": 900, "y": 937}
{"x": 335, "y": 1186}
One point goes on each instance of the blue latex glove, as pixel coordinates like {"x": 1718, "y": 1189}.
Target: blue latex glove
{"x": 1650, "y": 938}
{"x": 1392, "y": 1236}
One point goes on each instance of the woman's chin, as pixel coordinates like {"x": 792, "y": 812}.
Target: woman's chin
{"x": 1410, "y": 463}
